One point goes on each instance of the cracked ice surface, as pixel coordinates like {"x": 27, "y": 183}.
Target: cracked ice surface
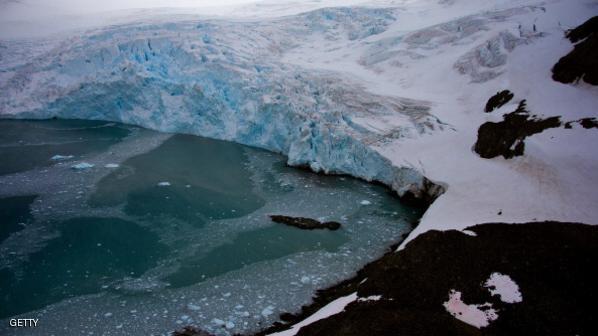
{"x": 225, "y": 80}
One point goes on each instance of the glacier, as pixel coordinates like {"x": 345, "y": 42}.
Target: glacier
{"x": 225, "y": 80}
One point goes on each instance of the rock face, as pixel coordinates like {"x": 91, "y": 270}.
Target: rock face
{"x": 551, "y": 263}
{"x": 582, "y": 62}
{"x": 498, "y": 100}
{"x": 305, "y": 223}
{"x": 506, "y": 138}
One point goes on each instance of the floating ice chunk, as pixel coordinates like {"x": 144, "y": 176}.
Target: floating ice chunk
{"x": 305, "y": 280}
{"x": 82, "y": 166}
{"x": 193, "y": 307}
{"x": 163, "y": 184}
{"x": 218, "y": 322}
{"x": 107, "y": 314}
{"x": 61, "y": 157}
{"x": 505, "y": 287}
{"x": 477, "y": 315}
{"x": 112, "y": 165}
{"x": 267, "y": 311}
{"x": 229, "y": 325}
{"x": 365, "y": 202}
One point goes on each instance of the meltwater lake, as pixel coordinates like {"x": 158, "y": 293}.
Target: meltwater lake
{"x": 107, "y": 228}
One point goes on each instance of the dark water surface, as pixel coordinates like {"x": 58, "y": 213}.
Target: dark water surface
{"x": 176, "y": 234}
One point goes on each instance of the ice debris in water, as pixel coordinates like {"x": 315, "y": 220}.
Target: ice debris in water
{"x": 163, "y": 184}
{"x": 365, "y": 202}
{"x": 111, "y": 165}
{"x": 82, "y": 166}
{"x": 194, "y": 307}
{"x": 268, "y": 311}
{"x": 61, "y": 157}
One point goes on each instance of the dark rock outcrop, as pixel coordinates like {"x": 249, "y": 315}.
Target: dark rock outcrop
{"x": 498, "y": 100}
{"x": 582, "y": 62}
{"x": 305, "y": 223}
{"x": 584, "y": 30}
{"x": 506, "y": 138}
{"x": 551, "y": 262}
{"x": 586, "y": 123}
{"x": 191, "y": 331}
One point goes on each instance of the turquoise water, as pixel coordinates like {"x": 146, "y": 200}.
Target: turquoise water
{"x": 25, "y": 145}
{"x": 14, "y": 212}
{"x": 174, "y": 228}
{"x": 88, "y": 252}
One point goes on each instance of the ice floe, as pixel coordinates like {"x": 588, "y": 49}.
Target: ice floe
{"x": 82, "y": 166}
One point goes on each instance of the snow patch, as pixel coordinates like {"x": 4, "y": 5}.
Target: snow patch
{"x": 503, "y": 286}
{"x": 333, "y": 308}
{"x": 477, "y": 315}
{"x": 370, "y": 298}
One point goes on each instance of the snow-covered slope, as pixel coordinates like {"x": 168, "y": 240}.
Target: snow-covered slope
{"x": 392, "y": 91}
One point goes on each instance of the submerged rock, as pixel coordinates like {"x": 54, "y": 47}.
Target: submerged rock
{"x": 305, "y": 223}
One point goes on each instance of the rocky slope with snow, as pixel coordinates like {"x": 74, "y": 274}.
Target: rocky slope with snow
{"x": 392, "y": 91}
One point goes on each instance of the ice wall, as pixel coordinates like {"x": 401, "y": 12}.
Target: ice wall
{"x": 223, "y": 80}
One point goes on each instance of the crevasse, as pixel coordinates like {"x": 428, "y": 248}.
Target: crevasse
{"x": 225, "y": 80}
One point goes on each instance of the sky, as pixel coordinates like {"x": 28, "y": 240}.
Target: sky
{"x": 43, "y": 18}
{"x": 30, "y": 18}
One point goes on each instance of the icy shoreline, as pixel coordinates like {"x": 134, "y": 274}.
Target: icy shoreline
{"x": 326, "y": 88}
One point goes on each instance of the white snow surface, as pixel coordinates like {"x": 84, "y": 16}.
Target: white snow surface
{"x": 477, "y": 315}
{"x": 333, "y": 308}
{"x": 388, "y": 90}
{"x": 503, "y": 286}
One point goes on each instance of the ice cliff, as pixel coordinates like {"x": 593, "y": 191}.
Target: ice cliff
{"x": 225, "y": 80}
